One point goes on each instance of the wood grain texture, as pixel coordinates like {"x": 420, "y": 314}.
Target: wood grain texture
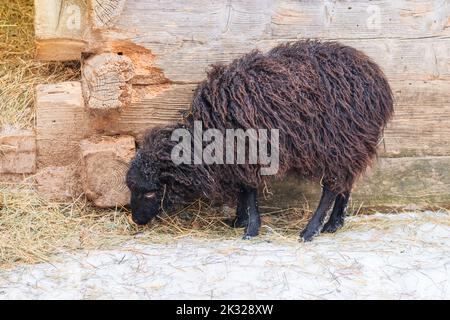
{"x": 186, "y": 61}
{"x": 105, "y": 162}
{"x": 105, "y": 12}
{"x": 18, "y": 153}
{"x": 421, "y": 124}
{"x": 59, "y": 183}
{"x": 61, "y": 122}
{"x": 155, "y": 106}
{"x": 393, "y": 182}
{"x": 59, "y": 49}
{"x": 408, "y": 39}
{"x": 106, "y": 81}
{"x": 62, "y": 29}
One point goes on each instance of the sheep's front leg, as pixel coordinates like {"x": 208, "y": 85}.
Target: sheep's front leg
{"x": 241, "y": 220}
{"x": 315, "y": 225}
{"x": 250, "y": 210}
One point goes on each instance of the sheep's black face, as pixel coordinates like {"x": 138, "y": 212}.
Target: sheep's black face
{"x": 144, "y": 206}
{"x": 142, "y": 180}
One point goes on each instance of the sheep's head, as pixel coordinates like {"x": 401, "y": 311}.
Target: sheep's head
{"x": 146, "y": 191}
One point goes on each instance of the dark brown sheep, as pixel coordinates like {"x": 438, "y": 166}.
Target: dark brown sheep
{"x": 330, "y": 103}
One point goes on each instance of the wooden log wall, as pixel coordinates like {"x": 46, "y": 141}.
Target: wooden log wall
{"x": 142, "y": 59}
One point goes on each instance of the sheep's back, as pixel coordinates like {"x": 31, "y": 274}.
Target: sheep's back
{"x": 329, "y": 101}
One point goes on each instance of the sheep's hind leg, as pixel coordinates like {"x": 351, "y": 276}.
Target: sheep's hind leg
{"x": 316, "y": 223}
{"x": 250, "y": 209}
{"x": 337, "y": 216}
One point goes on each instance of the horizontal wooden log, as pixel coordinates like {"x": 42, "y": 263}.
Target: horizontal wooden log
{"x": 361, "y": 18}
{"x": 415, "y": 59}
{"x": 409, "y": 40}
{"x": 60, "y": 49}
{"x": 155, "y": 106}
{"x": 393, "y": 182}
{"x": 203, "y": 20}
{"x": 186, "y": 61}
{"x": 420, "y": 126}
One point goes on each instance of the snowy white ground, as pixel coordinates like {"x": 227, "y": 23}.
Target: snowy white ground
{"x": 401, "y": 256}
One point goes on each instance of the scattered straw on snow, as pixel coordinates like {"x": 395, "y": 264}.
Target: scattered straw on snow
{"x": 33, "y": 229}
{"x": 401, "y": 256}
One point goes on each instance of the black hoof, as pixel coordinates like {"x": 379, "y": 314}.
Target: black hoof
{"x": 251, "y": 232}
{"x": 332, "y": 226}
{"x": 307, "y": 235}
{"x": 248, "y": 236}
{"x": 237, "y": 223}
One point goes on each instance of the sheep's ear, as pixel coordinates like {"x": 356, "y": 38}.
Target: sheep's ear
{"x": 152, "y": 184}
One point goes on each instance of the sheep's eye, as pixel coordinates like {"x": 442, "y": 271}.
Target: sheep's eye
{"x": 150, "y": 195}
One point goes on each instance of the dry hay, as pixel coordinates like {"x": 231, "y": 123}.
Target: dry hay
{"x": 33, "y": 229}
{"x": 19, "y": 73}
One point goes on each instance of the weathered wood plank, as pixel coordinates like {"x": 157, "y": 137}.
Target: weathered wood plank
{"x": 408, "y": 39}
{"x": 62, "y": 29}
{"x": 362, "y": 19}
{"x": 61, "y": 122}
{"x": 154, "y": 106}
{"x": 421, "y": 125}
{"x": 393, "y": 182}
{"x": 409, "y": 42}
{"x": 203, "y": 21}
{"x": 105, "y": 12}
{"x": 187, "y": 61}
{"x": 434, "y": 93}
{"x": 418, "y": 131}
